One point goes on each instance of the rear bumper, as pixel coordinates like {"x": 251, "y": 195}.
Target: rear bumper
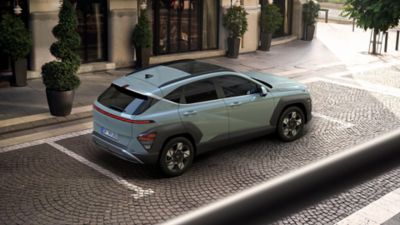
{"x": 121, "y": 152}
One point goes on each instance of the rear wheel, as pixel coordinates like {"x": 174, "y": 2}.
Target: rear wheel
{"x": 176, "y": 157}
{"x": 291, "y": 124}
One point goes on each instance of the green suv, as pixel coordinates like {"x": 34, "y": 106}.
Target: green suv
{"x": 169, "y": 113}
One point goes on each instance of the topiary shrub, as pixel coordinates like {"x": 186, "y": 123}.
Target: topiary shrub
{"x": 310, "y": 13}
{"x": 271, "y": 19}
{"x": 15, "y": 39}
{"x": 60, "y": 75}
{"x": 235, "y": 21}
{"x": 142, "y": 37}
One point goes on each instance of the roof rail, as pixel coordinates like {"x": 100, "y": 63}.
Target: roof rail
{"x": 162, "y": 64}
{"x": 274, "y": 199}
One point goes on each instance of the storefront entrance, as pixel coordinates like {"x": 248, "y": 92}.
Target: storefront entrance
{"x": 92, "y": 17}
{"x": 185, "y": 25}
{"x": 286, "y": 7}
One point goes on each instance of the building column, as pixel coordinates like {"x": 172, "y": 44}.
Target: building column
{"x": 121, "y": 25}
{"x": 43, "y": 17}
{"x": 251, "y": 38}
{"x": 297, "y": 19}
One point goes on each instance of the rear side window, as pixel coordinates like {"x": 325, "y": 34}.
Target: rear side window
{"x": 236, "y": 86}
{"x": 124, "y": 100}
{"x": 175, "y": 96}
{"x": 200, "y": 91}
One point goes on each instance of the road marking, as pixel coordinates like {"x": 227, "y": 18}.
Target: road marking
{"x": 365, "y": 86}
{"x": 140, "y": 192}
{"x": 377, "y": 212}
{"x": 332, "y": 119}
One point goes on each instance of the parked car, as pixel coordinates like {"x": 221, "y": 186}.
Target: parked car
{"x": 169, "y": 113}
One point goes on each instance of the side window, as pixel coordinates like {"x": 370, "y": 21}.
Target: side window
{"x": 236, "y": 86}
{"x": 175, "y": 96}
{"x": 200, "y": 91}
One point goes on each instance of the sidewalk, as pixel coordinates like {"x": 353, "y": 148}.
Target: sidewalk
{"x": 26, "y": 107}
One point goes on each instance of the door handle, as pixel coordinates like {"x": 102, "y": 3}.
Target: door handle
{"x": 190, "y": 113}
{"x": 233, "y": 104}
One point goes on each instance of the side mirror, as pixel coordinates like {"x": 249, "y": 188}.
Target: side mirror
{"x": 263, "y": 91}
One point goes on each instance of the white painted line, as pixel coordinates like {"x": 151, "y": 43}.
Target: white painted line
{"x": 377, "y": 212}
{"x": 140, "y": 192}
{"x": 43, "y": 141}
{"x": 342, "y": 123}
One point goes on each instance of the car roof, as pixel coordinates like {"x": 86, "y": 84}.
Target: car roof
{"x": 171, "y": 72}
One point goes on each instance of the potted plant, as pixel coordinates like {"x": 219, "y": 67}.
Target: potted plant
{"x": 310, "y": 15}
{"x": 15, "y": 42}
{"x": 141, "y": 40}
{"x": 271, "y": 20}
{"x": 59, "y": 76}
{"x": 235, "y": 22}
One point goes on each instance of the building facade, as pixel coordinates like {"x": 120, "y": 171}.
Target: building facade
{"x": 181, "y": 29}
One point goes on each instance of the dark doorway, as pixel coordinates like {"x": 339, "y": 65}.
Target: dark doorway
{"x": 185, "y": 25}
{"x": 7, "y": 6}
{"x": 92, "y": 17}
{"x": 286, "y": 7}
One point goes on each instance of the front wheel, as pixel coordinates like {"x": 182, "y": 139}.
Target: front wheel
{"x": 176, "y": 157}
{"x": 291, "y": 124}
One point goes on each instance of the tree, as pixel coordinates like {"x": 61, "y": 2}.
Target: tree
{"x": 60, "y": 75}
{"x": 378, "y": 16}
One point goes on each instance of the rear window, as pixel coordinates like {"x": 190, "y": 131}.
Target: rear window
{"x": 124, "y": 100}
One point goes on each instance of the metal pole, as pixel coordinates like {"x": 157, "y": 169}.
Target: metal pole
{"x": 397, "y": 40}
{"x": 267, "y": 200}
{"x": 386, "y": 40}
{"x": 354, "y": 24}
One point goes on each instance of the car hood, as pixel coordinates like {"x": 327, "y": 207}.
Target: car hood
{"x": 278, "y": 83}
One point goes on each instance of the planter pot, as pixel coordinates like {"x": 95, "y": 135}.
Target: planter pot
{"x": 310, "y": 33}
{"x": 19, "y": 70}
{"x": 266, "y": 40}
{"x": 142, "y": 57}
{"x": 233, "y": 47}
{"x": 60, "y": 102}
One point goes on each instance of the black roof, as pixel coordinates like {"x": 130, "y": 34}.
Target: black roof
{"x": 194, "y": 68}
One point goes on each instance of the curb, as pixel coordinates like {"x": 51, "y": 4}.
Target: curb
{"x": 43, "y": 119}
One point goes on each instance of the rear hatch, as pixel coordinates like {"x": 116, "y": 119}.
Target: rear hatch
{"x": 115, "y": 111}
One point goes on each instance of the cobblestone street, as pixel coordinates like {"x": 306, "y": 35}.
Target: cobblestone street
{"x": 68, "y": 180}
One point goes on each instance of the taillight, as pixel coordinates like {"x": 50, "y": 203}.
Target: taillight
{"x": 147, "y": 140}
{"x": 121, "y": 118}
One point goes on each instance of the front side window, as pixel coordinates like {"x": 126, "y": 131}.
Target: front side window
{"x": 200, "y": 91}
{"x": 236, "y": 86}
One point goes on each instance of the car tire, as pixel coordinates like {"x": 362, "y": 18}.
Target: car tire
{"x": 290, "y": 126}
{"x": 176, "y": 156}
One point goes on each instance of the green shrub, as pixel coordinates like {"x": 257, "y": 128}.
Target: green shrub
{"x": 142, "y": 36}
{"x": 15, "y": 39}
{"x": 235, "y": 21}
{"x": 310, "y": 13}
{"x": 271, "y": 18}
{"x": 60, "y": 75}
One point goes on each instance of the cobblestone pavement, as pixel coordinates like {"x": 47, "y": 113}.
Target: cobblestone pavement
{"x": 41, "y": 185}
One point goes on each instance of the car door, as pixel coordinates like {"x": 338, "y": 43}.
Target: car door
{"x": 202, "y": 108}
{"x": 249, "y": 111}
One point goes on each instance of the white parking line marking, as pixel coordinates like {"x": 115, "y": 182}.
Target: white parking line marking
{"x": 377, "y": 212}
{"x": 140, "y": 192}
{"x": 341, "y": 122}
{"x": 43, "y": 141}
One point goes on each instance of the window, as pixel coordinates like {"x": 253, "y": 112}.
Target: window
{"x": 123, "y": 100}
{"x": 200, "y": 91}
{"x": 175, "y": 96}
{"x": 236, "y": 86}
